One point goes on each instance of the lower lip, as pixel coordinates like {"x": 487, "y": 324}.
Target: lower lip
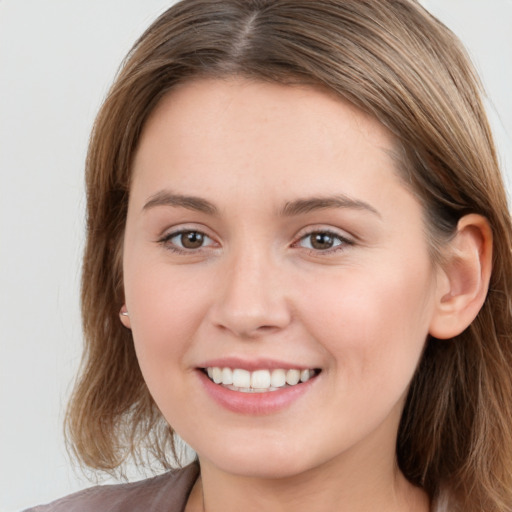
{"x": 255, "y": 403}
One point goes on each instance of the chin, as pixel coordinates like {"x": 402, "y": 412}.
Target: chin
{"x": 257, "y": 461}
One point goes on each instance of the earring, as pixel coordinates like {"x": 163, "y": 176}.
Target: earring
{"x": 123, "y": 311}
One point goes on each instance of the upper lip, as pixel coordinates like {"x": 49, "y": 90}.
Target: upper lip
{"x": 254, "y": 364}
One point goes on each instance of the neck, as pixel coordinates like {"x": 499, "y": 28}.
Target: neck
{"x": 364, "y": 477}
{"x": 322, "y": 489}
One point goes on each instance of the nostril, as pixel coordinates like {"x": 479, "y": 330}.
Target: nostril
{"x": 267, "y": 328}
{"x": 246, "y": 328}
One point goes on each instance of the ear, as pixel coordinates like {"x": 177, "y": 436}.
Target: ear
{"x": 466, "y": 271}
{"x": 125, "y": 317}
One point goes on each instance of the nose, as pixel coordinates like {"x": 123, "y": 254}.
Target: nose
{"x": 252, "y": 299}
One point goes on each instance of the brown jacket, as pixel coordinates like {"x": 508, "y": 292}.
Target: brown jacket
{"x": 165, "y": 493}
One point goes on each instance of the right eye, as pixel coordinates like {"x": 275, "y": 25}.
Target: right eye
{"x": 321, "y": 241}
{"x": 186, "y": 240}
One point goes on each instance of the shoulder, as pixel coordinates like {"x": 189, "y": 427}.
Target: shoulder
{"x": 164, "y": 493}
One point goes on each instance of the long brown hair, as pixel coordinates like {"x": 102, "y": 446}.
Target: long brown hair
{"x": 396, "y": 62}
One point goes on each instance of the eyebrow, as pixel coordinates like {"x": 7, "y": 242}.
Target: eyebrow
{"x": 167, "y": 198}
{"x": 290, "y": 209}
{"x": 307, "y": 205}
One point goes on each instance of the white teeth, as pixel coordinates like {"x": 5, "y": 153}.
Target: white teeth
{"x": 278, "y": 379}
{"x": 227, "y": 376}
{"x": 304, "y": 375}
{"x": 259, "y": 380}
{"x": 292, "y": 377}
{"x": 217, "y": 375}
{"x": 241, "y": 378}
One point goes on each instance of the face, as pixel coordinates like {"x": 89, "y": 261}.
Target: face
{"x": 269, "y": 240}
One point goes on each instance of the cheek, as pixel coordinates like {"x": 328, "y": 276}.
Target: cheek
{"x": 166, "y": 308}
{"x": 373, "y": 324}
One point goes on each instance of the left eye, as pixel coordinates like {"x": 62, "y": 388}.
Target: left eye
{"x": 321, "y": 241}
{"x": 189, "y": 240}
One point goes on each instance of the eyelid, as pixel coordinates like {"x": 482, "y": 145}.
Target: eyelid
{"x": 345, "y": 238}
{"x": 165, "y": 238}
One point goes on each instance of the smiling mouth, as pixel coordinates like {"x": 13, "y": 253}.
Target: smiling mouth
{"x": 258, "y": 381}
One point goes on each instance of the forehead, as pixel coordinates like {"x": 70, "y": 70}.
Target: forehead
{"x": 227, "y": 100}
{"x": 252, "y": 128}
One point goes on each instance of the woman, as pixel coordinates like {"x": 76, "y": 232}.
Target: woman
{"x": 298, "y": 257}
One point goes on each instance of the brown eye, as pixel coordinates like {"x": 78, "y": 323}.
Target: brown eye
{"x": 191, "y": 239}
{"x": 187, "y": 240}
{"x": 323, "y": 241}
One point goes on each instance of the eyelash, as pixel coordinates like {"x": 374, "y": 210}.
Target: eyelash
{"x": 342, "y": 244}
{"x": 166, "y": 241}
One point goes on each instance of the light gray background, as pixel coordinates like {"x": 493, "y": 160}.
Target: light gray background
{"x": 57, "y": 59}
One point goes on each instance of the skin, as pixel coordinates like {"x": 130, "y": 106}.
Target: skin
{"x": 360, "y": 311}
